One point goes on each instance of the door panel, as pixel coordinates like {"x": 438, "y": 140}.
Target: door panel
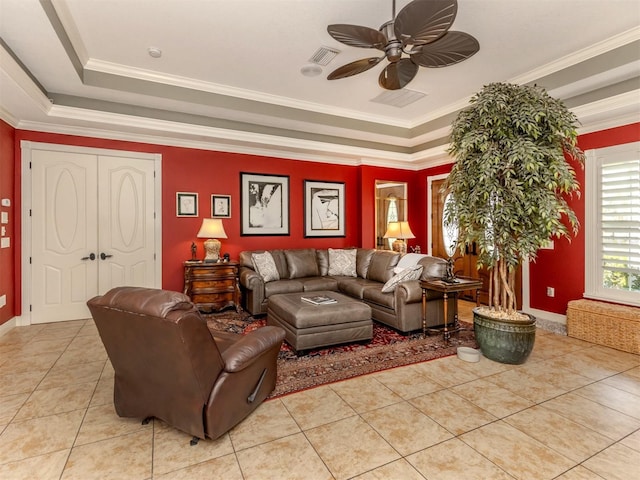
{"x": 64, "y": 234}
{"x": 127, "y": 200}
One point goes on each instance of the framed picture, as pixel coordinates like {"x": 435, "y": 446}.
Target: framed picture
{"x": 186, "y": 204}
{"x": 323, "y": 209}
{"x": 220, "y": 206}
{"x": 264, "y": 204}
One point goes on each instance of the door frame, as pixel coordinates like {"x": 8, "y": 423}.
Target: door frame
{"x": 26, "y": 147}
{"x": 526, "y": 296}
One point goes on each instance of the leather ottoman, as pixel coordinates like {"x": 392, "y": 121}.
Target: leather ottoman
{"x": 310, "y": 326}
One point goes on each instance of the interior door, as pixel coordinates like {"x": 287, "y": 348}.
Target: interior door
{"x": 93, "y": 226}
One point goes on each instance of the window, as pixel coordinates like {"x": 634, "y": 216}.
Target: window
{"x": 392, "y": 216}
{"x": 612, "y": 224}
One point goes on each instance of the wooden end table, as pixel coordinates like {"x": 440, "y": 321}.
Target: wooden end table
{"x": 212, "y": 286}
{"x": 461, "y": 284}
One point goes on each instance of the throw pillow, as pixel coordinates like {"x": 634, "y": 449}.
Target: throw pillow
{"x": 342, "y": 262}
{"x": 411, "y": 273}
{"x": 265, "y": 265}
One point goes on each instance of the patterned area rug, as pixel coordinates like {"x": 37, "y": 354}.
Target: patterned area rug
{"x": 387, "y": 349}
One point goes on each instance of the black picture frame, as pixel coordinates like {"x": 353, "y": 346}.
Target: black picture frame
{"x": 324, "y": 209}
{"x": 220, "y": 206}
{"x": 264, "y": 204}
{"x": 186, "y": 204}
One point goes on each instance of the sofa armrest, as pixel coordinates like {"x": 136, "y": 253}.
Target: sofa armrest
{"x": 250, "y": 279}
{"x": 250, "y": 348}
{"x": 409, "y": 292}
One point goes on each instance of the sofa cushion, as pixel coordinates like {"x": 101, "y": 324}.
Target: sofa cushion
{"x": 282, "y": 286}
{"x": 355, "y": 286}
{"x": 375, "y": 295}
{"x": 363, "y": 259}
{"x": 322, "y": 257}
{"x": 410, "y": 273}
{"x": 302, "y": 262}
{"x": 381, "y": 266}
{"x": 264, "y": 264}
{"x": 342, "y": 262}
{"x": 314, "y": 284}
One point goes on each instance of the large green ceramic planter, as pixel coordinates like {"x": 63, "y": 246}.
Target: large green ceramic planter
{"x": 504, "y": 341}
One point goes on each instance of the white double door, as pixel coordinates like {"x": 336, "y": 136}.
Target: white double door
{"x": 93, "y": 227}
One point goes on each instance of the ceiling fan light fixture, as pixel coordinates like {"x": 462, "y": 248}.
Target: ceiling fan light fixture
{"x": 311, "y": 70}
{"x": 154, "y": 52}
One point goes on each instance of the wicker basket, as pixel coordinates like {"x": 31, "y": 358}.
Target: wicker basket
{"x": 615, "y": 326}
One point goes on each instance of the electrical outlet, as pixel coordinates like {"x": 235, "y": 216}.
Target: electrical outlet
{"x": 551, "y": 292}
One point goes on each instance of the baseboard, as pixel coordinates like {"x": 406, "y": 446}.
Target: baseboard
{"x": 553, "y": 322}
{"x": 7, "y": 326}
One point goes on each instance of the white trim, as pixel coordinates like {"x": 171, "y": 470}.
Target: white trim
{"x": 430, "y": 209}
{"x": 27, "y": 147}
{"x": 8, "y": 326}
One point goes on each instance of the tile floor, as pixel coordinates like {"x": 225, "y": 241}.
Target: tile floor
{"x": 571, "y": 412}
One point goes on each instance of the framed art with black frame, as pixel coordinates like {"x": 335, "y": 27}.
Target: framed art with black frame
{"x": 220, "y": 206}
{"x": 324, "y": 209}
{"x": 186, "y": 204}
{"x": 264, "y": 204}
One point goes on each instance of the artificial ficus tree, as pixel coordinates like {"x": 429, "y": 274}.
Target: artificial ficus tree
{"x": 511, "y": 179}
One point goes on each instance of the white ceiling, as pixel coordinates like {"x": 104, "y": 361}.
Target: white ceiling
{"x": 229, "y": 76}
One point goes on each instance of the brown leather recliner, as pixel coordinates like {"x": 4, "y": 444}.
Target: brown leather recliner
{"x": 169, "y": 365}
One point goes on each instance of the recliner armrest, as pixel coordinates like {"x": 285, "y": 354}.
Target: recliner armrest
{"x": 250, "y": 348}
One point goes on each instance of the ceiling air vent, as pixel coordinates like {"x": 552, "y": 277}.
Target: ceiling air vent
{"x": 398, "y": 98}
{"x": 324, "y": 55}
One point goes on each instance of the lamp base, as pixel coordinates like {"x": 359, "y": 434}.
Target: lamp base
{"x": 212, "y": 250}
{"x": 399, "y": 246}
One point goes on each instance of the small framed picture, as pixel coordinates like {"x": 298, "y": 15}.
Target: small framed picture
{"x": 186, "y": 204}
{"x": 324, "y": 209}
{"x": 220, "y": 206}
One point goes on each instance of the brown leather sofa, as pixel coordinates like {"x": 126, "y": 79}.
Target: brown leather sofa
{"x": 169, "y": 365}
{"x": 306, "y": 270}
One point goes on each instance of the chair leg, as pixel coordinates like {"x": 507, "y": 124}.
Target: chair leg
{"x": 146, "y": 420}
{"x": 252, "y": 397}
{"x": 194, "y": 441}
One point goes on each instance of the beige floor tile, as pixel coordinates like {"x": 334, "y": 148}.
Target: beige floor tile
{"x": 633, "y": 372}
{"x": 483, "y": 368}
{"x": 399, "y": 470}
{"x": 25, "y": 382}
{"x": 446, "y": 371}
{"x": 453, "y": 412}
{"x": 43, "y": 467}
{"x": 626, "y": 382}
{"x": 103, "y": 394}
{"x": 29, "y": 363}
{"x": 50, "y": 401}
{"x": 453, "y": 460}
{"x": 225, "y": 468}
{"x": 495, "y": 400}
{"x": 516, "y": 453}
{"x": 40, "y": 345}
{"x": 526, "y": 386}
{"x": 571, "y": 439}
{"x": 9, "y": 406}
{"x": 579, "y": 473}
{"x": 553, "y": 374}
{"x": 317, "y": 406}
{"x": 88, "y": 329}
{"x": 89, "y": 342}
{"x": 612, "y": 397}
{"x": 61, "y": 375}
{"x": 38, "y": 436}
{"x": 365, "y": 393}
{"x": 268, "y": 422}
{"x": 63, "y": 330}
{"x": 291, "y": 458}
{"x": 617, "y": 462}
{"x": 406, "y": 428}
{"x": 407, "y": 382}
{"x": 632, "y": 441}
{"x": 81, "y": 355}
{"x": 600, "y": 418}
{"x": 125, "y": 457}
{"x": 350, "y": 447}
{"x": 19, "y": 335}
{"x": 597, "y": 363}
{"x": 172, "y": 451}
{"x": 102, "y": 422}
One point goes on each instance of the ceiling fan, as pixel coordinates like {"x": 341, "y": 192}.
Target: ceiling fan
{"x": 420, "y": 31}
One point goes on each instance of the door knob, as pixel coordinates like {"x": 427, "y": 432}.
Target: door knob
{"x": 104, "y": 256}
{"x": 90, "y": 257}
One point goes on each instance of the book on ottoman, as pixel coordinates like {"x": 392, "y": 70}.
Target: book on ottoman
{"x": 319, "y": 299}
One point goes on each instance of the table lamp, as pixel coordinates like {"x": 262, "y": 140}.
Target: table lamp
{"x": 212, "y": 229}
{"x": 400, "y": 231}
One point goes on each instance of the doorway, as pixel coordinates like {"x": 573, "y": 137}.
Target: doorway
{"x": 91, "y": 222}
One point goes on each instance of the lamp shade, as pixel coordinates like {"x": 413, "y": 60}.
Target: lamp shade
{"x": 212, "y": 228}
{"x": 399, "y": 230}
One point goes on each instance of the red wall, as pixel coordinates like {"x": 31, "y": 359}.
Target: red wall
{"x": 7, "y": 255}
{"x": 563, "y": 267}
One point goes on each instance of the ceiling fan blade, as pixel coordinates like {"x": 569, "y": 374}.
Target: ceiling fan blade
{"x": 398, "y": 74}
{"x": 357, "y": 36}
{"x": 424, "y": 21}
{"x": 452, "y": 48}
{"x": 354, "y": 68}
